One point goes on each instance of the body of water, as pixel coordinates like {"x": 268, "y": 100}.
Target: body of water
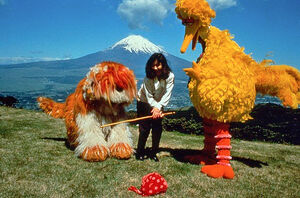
{"x": 180, "y": 98}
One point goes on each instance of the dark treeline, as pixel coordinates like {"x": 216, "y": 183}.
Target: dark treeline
{"x": 270, "y": 123}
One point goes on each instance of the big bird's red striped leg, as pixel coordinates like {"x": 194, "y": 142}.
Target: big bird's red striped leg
{"x": 208, "y": 153}
{"x": 222, "y": 168}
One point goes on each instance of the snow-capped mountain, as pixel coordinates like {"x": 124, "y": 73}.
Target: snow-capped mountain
{"x": 59, "y": 78}
{"x": 132, "y": 51}
{"x": 137, "y": 44}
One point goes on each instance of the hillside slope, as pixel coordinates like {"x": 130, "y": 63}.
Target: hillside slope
{"x": 35, "y": 162}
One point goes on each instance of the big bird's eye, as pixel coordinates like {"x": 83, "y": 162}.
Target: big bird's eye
{"x": 119, "y": 89}
{"x": 187, "y": 22}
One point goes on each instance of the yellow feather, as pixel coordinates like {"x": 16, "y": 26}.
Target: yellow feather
{"x": 224, "y": 83}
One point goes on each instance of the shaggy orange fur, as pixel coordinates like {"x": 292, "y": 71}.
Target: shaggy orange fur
{"x": 99, "y": 99}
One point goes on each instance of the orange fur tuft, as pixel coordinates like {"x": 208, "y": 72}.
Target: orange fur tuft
{"x": 121, "y": 151}
{"x": 95, "y": 154}
{"x": 111, "y": 76}
{"x": 51, "y": 107}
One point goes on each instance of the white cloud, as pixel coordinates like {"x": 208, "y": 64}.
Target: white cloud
{"x": 137, "y": 12}
{"x": 222, "y": 4}
{"x": 2, "y": 2}
{"x": 21, "y": 59}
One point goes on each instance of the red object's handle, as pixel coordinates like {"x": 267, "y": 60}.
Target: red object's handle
{"x": 134, "y": 189}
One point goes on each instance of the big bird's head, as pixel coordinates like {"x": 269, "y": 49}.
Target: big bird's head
{"x": 196, "y": 15}
{"x": 110, "y": 82}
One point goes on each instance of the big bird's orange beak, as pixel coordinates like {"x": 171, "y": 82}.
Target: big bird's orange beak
{"x": 190, "y": 34}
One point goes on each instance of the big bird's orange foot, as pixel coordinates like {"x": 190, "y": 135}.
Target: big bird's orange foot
{"x": 218, "y": 171}
{"x": 121, "y": 151}
{"x": 95, "y": 153}
{"x": 202, "y": 159}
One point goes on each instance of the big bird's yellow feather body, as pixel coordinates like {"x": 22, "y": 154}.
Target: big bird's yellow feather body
{"x": 224, "y": 82}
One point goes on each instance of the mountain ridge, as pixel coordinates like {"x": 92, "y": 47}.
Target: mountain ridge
{"x": 56, "y": 79}
{"x": 132, "y": 43}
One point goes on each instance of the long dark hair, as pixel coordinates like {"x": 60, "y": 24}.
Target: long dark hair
{"x": 150, "y": 73}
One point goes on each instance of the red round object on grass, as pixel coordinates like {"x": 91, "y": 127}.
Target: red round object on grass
{"x": 152, "y": 184}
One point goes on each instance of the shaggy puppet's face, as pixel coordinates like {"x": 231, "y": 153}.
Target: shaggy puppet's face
{"x": 110, "y": 82}
{"x": 196, "y": 16}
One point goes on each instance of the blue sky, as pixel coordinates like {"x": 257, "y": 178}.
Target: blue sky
{"x": 61, "y": 29}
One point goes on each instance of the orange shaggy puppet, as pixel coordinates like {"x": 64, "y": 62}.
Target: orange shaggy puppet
{"x": 99, "y": 99}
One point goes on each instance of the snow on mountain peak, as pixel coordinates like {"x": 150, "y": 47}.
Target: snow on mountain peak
{"x": 137, "y": 43}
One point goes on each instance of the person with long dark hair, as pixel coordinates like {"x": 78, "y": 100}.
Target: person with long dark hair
{"x": 153, "y": 96}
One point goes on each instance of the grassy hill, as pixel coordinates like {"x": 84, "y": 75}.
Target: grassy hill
{"x": 35, "y": 162}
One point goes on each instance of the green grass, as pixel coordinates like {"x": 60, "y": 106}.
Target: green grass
{"x": 35, "y": 162}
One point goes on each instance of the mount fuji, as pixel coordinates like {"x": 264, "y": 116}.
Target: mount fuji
{"x": 137, "y": 44}
{"x": 57, "y": 79}
{"x": 134, "y": 51}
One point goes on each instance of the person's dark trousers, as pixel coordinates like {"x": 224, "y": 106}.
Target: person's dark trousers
{"x": 144, "y": 109}
{"x": 156, "y": 134}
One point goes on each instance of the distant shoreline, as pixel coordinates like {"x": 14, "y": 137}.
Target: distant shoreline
{"x": 27, "y": 100}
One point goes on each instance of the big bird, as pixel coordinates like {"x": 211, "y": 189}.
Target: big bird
{"x": 224, "y": 82}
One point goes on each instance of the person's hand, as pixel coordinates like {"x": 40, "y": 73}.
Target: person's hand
{"x": 156, "y": 113}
